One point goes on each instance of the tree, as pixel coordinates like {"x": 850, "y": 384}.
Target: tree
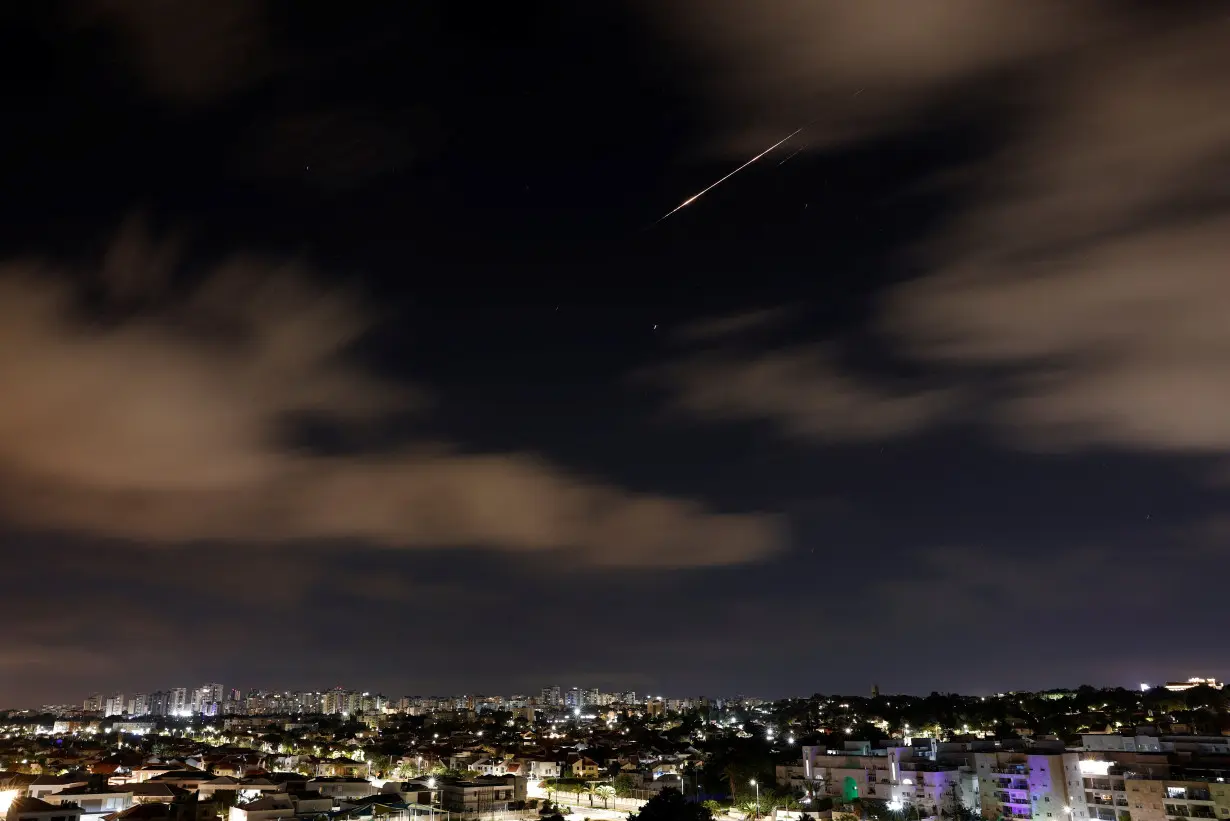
{"x": 786, "y": 801}
{"x": 670, "y": 805}
{"x": 606, "y": 792}
{"x": 625, "y": 785}
{"x": 715, "y": 809}
{"x": 591, "y": 791}
{"x": 225, "y": 799}
{"x": 405, "y": 771}
{"x": 733, "y": 773}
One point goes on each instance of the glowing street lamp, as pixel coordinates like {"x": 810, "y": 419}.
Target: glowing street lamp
{"x": 757, "y": 786}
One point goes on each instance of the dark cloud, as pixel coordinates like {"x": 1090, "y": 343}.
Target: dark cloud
{"x": 161, "y": 428}
{"x": 725, "y": 327}
{"x": 337, "y": 148}
{"x": 190, "y": 54}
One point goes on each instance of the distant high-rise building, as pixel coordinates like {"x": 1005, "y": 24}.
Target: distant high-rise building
{"x": 572, "y": 698}
{"x": 160, "y": 703}
{"x": 550, "y": 696}
{"x": 340, "y": 701}
{"x": 310, "y": 703}
{"x": 115, "y": 705}
{"x": 138, "y": 705}
{"x": 180, "y": 703}
{"x": 95, "y": 703}
{"x": 206, "y": 698}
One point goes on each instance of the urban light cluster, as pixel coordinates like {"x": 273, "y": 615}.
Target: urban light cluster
{"x": 1059, "y": 755}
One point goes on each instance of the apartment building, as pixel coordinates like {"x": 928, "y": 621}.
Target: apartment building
{"x": 115, "y": 705}
{"x": 1161, "y": 799}
{"x": 1040, "y": 787}
{"x": 904, "y": 777}
{"x": 925, "y": 787}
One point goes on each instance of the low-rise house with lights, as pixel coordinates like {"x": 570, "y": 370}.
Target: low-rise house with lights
{"x": 25, "y": 808}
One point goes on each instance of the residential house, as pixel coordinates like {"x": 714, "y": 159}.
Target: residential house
{"x": 540, "y": 768}
{"x": 35, "y": 809}
{"x": 45, "y": 785}
{"x": 482, "y": 795}
{"x": 411, "y": 792}
{"x": 142, "y": 812}
{"x": 340, "y": 768}
{"x": 95, "y": 800}
{"x": 188, "y": 779}
{"x": 311, "y": 802}
{"x": 585, "y": 768}
{"x": 339, "y": 788}
{"x": 154, "y": 793}
{"x": 268, "y": 808}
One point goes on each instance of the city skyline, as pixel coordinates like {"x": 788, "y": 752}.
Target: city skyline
{"x": 181, "y": 702}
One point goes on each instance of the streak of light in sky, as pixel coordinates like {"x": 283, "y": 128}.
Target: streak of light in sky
{"x": 704, "y": 191}
{"x": 791, "y": 157}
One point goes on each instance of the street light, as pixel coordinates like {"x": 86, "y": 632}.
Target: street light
{"x": 757, "y": 786}
{"x": 431, "y": 799}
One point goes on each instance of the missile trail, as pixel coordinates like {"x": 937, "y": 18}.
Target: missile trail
{"x": 704, "y": 191}
{"x": 791, "y": 157}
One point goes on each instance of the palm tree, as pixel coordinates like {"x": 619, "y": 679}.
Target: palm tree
{"x": 606, "y": 792}
{"x": 591, "y": 791}
{"x": 732, "y": 774}
{"x": 715, "y": 809}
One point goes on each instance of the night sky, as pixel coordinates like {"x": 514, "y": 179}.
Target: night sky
{"x": 339, "y": 345}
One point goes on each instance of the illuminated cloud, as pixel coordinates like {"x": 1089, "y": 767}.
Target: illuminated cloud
{"x": 162, "y": 426}
{"x": 1079, "y": 295}
{"x": 1089, "y": 273}
{"x": 852, "y": 68}
{"x": 801, "y": 390}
